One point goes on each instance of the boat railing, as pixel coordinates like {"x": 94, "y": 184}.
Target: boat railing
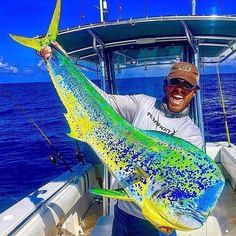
{"x": 54, "y": 207}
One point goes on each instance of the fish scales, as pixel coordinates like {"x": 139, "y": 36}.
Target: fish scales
{"x": 179, "y": 166}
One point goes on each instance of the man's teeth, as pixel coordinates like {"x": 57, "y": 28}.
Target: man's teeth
{"x": 178, "y": 97}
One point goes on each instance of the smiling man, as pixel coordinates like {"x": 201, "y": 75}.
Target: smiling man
{"x": 171, "y": 116}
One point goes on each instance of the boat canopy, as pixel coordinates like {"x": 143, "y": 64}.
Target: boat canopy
{"x": 212, "y": 36}
{"x": 143, "y": 45}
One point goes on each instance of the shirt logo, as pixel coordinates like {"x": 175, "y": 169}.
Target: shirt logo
{"x": 162, "y": 128}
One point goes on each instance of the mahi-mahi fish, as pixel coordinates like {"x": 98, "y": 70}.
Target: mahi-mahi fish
{"x": 175, "y": 184}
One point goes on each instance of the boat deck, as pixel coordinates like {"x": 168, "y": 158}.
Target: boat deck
{"x": 225, "y": 211}
{"x": 91, "y": 218}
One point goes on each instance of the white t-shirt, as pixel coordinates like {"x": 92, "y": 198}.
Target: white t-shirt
{"x": 141, "y": 111}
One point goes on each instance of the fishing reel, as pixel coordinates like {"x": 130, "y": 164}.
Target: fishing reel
{"x": 54, "y": 158}
{"x": 79, "y": 155}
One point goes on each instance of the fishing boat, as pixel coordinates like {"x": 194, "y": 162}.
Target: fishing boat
{"x": 65, "y": 206}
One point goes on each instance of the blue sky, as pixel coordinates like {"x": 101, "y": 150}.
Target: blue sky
{"x": 30, "y": 18}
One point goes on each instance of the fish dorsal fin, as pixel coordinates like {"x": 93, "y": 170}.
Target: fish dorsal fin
{"x": 154, "y": 134}
{"x": 115, "y": 194}
{"x": 169, "y": 138}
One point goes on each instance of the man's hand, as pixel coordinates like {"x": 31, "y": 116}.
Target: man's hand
{"x": 46, "y": 52}
{"x": 166, "y": 230}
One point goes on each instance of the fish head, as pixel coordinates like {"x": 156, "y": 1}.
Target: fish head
{"x": 161, "y": 210}
{"x": 177, "y": 207}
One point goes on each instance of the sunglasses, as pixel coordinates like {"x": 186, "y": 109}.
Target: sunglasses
{"x": 181, "y": 83}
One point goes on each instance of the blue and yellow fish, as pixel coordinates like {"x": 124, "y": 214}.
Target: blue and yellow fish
{"x": 175, "y": 184}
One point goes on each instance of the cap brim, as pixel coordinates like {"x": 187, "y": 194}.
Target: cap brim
{"x": 183, "y": 76}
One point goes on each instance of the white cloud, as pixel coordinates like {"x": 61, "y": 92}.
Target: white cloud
{"x": 41, "y": 65}
{"x": 6, "y": 68}
{"x": 28, "y": 70}
{"x": 230, "y": 60}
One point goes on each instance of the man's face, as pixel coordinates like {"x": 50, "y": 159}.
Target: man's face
{"x": 179, "y": 94}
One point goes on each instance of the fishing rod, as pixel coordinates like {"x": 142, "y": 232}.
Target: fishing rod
{"x": 53, "y": 158}
{"x": 79, "y": 154}
{"x": 223, "y": 105}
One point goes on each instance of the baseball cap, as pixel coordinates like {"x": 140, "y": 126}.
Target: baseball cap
{"x": 184, "y": 70}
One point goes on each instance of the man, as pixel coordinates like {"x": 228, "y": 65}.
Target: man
{"x": 170, "y": 116}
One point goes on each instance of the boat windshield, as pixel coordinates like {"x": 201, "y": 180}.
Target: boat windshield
{"x": 142, "y": 70}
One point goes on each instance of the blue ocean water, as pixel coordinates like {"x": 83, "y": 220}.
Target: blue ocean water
{"x": 24, "y": 162}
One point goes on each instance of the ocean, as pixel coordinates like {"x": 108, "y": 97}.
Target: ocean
{"x": 24, "y": 162}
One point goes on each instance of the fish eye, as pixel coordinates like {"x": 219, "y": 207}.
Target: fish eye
{"x": 181, "y": 202}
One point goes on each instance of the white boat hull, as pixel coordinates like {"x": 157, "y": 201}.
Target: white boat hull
{"x": 60, "y": 206}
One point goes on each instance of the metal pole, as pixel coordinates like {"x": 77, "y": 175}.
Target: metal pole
{"x": 105, "y": 170}
{"x": 110, "y": 73}
{"x": 105, "y": 185}
{"x": 199, "y": 103}
{"x": 103, "y": 87}
{"x": 105, "y": 10}
{"x": 101, "y": 10}
{"x": 193, "y": 7}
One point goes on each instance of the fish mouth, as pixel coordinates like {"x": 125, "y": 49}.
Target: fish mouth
{"x": 191, "y": 214}
{"x": 159, "y": 218}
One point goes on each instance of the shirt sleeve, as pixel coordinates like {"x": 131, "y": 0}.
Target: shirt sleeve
{"x": 125, "y": 105}
{"x": 191, "y": 133}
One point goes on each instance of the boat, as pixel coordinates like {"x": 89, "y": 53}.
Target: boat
{"x": 65, "y": 206}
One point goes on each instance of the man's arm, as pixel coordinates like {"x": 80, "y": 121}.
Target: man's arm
{"x": 125, "y": 105}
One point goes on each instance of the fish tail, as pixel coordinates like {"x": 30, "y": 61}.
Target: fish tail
{"x": 39, "y": 43}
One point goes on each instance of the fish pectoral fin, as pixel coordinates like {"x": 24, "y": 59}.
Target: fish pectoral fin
{"x": 115, "y": 194}
{"x": 140, "y": 171}
{"x": 138, "y": 175}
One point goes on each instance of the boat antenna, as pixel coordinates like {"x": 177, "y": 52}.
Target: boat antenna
{"x": 221, "y": 6}
{"x": 120, "y": 9}
{"x": 103, "y": 10}
{"x": 53, "y": 158}
{"x": 223, "y": 105}
{"x": 82, "y": 10}
{"x": 193, "y": 7}
{"x": 145, "y": 8}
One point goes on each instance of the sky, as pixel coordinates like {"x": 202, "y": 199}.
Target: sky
{"x": 32, "y": 17}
